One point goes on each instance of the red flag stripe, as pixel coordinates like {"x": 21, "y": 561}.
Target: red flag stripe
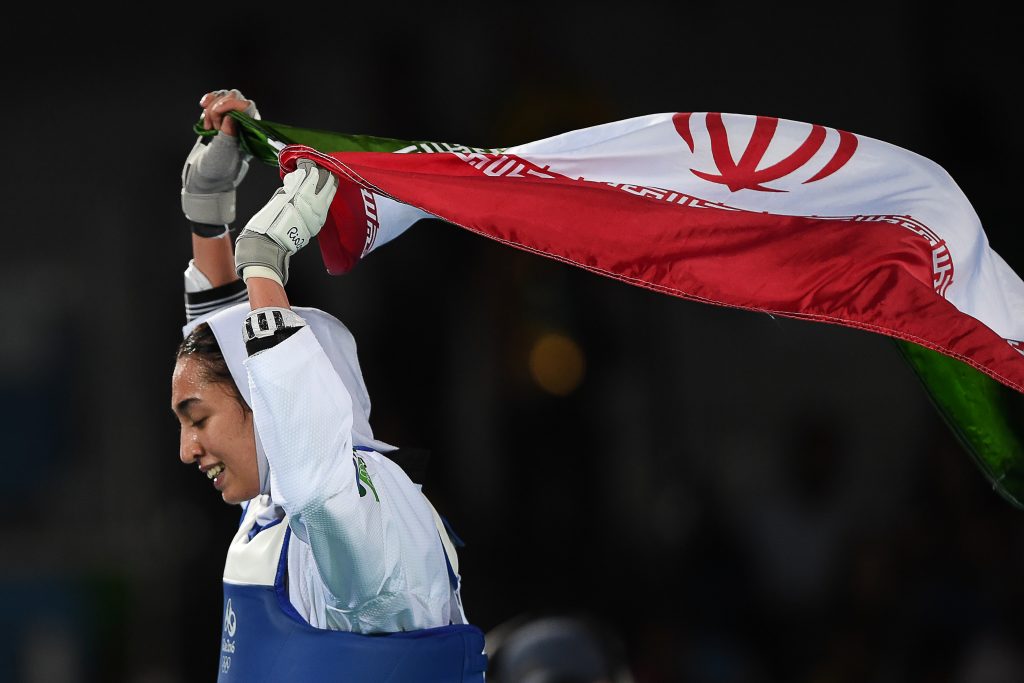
{"x": 869, "y": 274}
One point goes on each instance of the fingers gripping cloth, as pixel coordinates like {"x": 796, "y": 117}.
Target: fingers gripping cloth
{"x": 289, "y": 221}
{"x": 212, "y": 171}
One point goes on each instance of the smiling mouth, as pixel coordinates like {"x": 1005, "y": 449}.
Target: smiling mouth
{"x": 214, "y": 471}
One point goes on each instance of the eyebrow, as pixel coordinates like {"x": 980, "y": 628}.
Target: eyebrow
{"x": 185, "y": 406}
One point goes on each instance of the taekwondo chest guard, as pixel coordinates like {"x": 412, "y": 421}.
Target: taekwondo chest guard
{"x": 265, "y": 639}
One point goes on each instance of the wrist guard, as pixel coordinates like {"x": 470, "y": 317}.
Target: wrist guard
{"x": 288, "y": 222}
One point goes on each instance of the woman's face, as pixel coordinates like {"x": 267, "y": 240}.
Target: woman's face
{"x": 216, "y": 433}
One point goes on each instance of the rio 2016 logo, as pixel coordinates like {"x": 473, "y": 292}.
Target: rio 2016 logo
{"x": 230, "y": 620}
{"x": 293, "y": 235}
{"x": 744, "y": 174}
{"x": 227, "y": 646}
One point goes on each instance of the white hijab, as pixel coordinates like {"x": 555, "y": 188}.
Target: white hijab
{"x": 337, "y": 342}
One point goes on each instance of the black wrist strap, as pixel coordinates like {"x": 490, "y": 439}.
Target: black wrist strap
{"x": 257, "y": 344}
{"x": 207, "y": 230}
{"x": 269, "y": 326}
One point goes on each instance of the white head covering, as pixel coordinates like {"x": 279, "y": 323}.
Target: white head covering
{"x": 337, "y": 342}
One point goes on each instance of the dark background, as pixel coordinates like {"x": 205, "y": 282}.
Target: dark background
{"x": 735, "y": 497}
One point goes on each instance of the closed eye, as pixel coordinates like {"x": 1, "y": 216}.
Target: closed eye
{"x": 200, "y": 422}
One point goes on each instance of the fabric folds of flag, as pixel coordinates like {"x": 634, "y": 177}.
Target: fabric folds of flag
{"x": 752, "y": 212}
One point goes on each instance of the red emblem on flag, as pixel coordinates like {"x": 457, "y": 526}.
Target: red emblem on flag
{"x": 744, "y": 175}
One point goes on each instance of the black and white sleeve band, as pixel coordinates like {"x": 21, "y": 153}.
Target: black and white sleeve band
{"x": 209, "y": 300}
{"x": 268, "y": 327}
{"x": 208, "y": 230}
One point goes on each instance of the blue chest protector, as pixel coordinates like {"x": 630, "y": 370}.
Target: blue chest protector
{"x": 265, "y": 639}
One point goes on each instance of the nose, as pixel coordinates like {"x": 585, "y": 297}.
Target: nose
{"x": 190, "y": 449}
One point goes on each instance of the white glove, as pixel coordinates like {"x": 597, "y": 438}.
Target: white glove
{"x": 289, "y": 221}
{"x": 212, "y": 171}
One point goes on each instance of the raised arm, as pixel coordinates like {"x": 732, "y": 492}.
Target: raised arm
{"x": 213, "y": 170}
{"x": 301, "y": 408}
{"x": 370, "y": 531}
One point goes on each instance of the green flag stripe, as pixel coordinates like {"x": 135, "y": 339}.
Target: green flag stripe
{"x": 977, "y": 409}
{"x": 256, "y": 136}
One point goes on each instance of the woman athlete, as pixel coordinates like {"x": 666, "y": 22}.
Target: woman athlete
{"x": 340, "y": 569}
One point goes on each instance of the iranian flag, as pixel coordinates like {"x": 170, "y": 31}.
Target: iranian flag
{"x": 754, "y": 212}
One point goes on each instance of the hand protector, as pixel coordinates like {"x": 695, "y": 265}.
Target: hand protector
{"x": 212, "y": 171}
{"x": 289, "y": 221}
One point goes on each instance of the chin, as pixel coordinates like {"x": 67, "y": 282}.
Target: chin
{"x": 233, "y": 494}
{"x": 233, "y": 498}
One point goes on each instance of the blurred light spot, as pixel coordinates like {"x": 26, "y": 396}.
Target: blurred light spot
{"x": 556, "y": 364}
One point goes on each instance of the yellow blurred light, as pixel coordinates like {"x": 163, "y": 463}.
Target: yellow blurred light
{"x": 556, "y": 364}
